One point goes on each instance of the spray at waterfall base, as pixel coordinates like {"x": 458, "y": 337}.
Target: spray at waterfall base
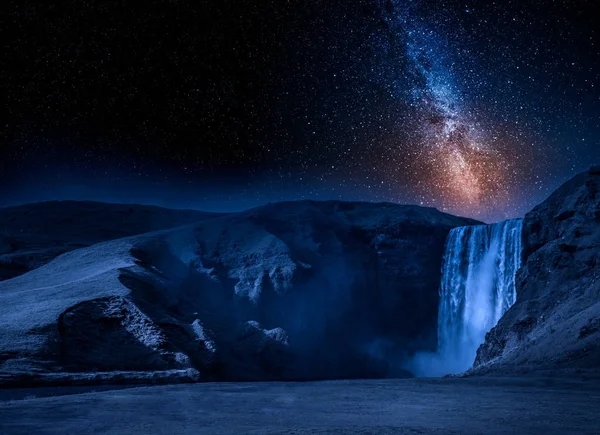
{"x": 477, "y": 288}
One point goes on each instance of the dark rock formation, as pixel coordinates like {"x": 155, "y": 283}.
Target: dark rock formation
{"x": 32, "y": 235}
{"x": 553, "y": 326}
{"x": 109, "y": 334}
{"x": 298, "y": 290}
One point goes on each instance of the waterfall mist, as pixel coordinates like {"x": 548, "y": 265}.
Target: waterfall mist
{"x": 478, "y": 286}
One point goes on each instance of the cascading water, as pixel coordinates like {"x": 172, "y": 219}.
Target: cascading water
{"x": 478, "y": 286}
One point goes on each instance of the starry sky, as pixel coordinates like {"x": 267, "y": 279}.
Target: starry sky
{"x": 477, "y": 108}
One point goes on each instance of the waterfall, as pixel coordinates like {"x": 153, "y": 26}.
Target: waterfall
{"x": 478, "y": 286}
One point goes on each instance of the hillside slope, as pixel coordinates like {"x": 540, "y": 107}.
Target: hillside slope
{"x": 32, "y": 235}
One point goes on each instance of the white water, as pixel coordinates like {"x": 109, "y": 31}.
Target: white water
{"x": 478, "y": 286}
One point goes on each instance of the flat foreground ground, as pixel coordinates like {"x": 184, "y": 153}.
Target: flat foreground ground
{"x": 441, "y": 406}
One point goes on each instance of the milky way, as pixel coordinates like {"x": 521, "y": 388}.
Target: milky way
{"x": 460, "y": 169}
{"x": 478, "y": 108}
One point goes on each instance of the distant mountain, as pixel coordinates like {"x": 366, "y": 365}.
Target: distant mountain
{"x": 34, "y": 234}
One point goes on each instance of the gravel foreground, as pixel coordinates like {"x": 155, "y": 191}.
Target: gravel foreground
{"x": 419, "y": 406}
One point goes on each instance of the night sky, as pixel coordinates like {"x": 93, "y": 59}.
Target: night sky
{"x": 478, "y": 108}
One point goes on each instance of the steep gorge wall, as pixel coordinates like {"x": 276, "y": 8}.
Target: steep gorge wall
{"x": 554, "y": 325}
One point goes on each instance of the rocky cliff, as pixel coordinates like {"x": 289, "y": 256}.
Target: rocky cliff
{"x": 297, "y": 290}
{"x": 554, "y": 326}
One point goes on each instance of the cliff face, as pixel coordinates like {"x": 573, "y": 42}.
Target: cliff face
{"x": 298, "y": 290}
{"x": 554, "y": 325}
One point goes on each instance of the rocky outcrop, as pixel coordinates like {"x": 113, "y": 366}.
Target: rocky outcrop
{"x": 297, "y": 290}
{"x": 553, "y": 326}
{"x": 34, "y": 234}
